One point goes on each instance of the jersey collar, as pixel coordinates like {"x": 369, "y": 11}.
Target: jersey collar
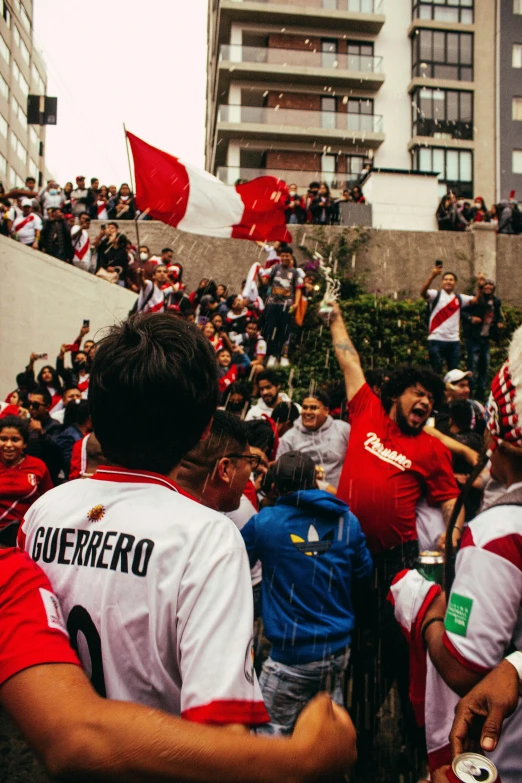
{"x": 131, "y": 476}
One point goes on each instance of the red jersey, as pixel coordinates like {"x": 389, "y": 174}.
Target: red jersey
{"x": 385, "y": 472}
{"x": 32, "y": 628}
{"x": 20, "y": 486}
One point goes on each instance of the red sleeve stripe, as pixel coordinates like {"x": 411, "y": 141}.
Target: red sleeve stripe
{"x": 467, "y": 538}
{"x": 472, "y": 667}
{"x": 249, "y": 713}
{"x": 508, "y": 547}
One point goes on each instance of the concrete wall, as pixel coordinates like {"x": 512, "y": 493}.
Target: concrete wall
{"x": 415, "y": 210}
{"x": 43, "y": 304}
{"x": 389, "y": 262}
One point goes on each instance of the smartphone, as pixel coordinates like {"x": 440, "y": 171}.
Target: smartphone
{"x": 71, "y": 347}
{"x": 86, "y": 323}
{"x": 439, "y": 263}
{"x": 43, "y": 356}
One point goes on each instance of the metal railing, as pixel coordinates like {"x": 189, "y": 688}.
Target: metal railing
{"x": 352, "y": 6}
{"x": 302, "y": 178}
{"x": 271, "y": 55}
{"x": 302, "y": 118}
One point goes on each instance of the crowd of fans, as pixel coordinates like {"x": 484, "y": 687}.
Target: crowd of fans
{"x": 334, "y": 496}
{"x": 318, "y": 206}
{"x": 458, "y": 214}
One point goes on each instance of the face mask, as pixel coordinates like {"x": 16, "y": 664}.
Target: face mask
{"x": 143, "y": 256}
{"x": 80, "y": 365}
{"x": 53, "y": 192}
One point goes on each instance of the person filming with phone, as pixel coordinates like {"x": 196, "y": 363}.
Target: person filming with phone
{"x": 444, "y": 308}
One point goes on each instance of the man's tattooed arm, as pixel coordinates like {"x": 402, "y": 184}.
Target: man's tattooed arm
{"x": 346, "y": 354}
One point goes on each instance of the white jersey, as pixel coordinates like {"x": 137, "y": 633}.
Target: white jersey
{"x": 483, "y": 621}
{"x": 151, "y": 299}
{"x": 25, "y": 228}
{"x": 261, "y": 410}
{"x": 445, "y": 316}
{"x": 82, "y": 248}
{"x": 430, "y": 525}
{"x": 159, "y": 586}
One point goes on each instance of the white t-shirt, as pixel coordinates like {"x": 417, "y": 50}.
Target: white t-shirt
{"x": 445, "y": 316}
{"x": 430, "y": 525}
{"x": 26, "y": 227}
{"x": 261, "y": 410}
{"x": 240, "y": 517}
{"x": 483, "y": 620}
{"x": 160, "y": 587}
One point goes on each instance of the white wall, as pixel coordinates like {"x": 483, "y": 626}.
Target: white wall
{"x": 405, "y": 202}
{"x": 393, "y": 100}
{"x": 43, "y": 303}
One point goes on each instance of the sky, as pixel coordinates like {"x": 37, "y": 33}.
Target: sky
{"x": 109, "y": 62}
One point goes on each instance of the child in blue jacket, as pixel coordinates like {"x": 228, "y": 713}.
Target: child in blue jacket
{"x": 311, "y": 548}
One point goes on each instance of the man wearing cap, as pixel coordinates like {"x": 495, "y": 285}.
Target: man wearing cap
{"x": 311, "y": 548}
{"x": 444, "y": 317}
{"x": 26, "y": 228}
{"x": 457, "y": 384}
{"x": 80, "y": 197}
{"x": 480, "y": 323}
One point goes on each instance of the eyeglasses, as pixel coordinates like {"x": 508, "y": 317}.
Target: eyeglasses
{"x": 34, "y": 404}
{"x": 255, "y": 459}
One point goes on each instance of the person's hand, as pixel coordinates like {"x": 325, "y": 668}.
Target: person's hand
{"x": 437, "y": 270}
{"x": 439, "y": 776}
{"x": 461, "y": 478}
{"x": 479, "y": 715}
{"x": 23, "y": 412}
{"x": 336, "y": 311}
{"x": 84, "y": 330}
{"x": 63, "y": 349}
{"x": 481, "y": 279}
{"x": 35, "y": 245}
{"x": 441, "y": 541}
{"x": 475, "y": 319}
{"x": 33, "y": 358}
{"x": 500, "y": 325}
{"x": 325, "y": 740}
{"x": 36, "y": 426}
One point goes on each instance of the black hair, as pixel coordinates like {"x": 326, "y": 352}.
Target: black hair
{"x": 269, "y": 375}
{"x": 376, "y": 378}
{"x": 149, "y": 357}
{"x": 230, "y": 300}
{"x": 112, "y": 223}
{"x": 404, "y": 377}
{"x": 228, "y": 434}
{"x": 290, "y": 478}
{"x": 147, "y": 248}
{"x": 286, "y": 248}
{"x": 314, "y": 184}
{"x": 56, "y": 382}
{"x": 285, "y": 411}
{"x": 85, "y": 213}
{"x": 261, "y": 435}
{"x": 76, "y": 412}
{"x": 44, "y": 393}
{"x": 16, "y": 423}
{"x": 450, "y": 273}
{"x": 461, "y": 413}
{"x": 319, "y": 395}
{"x": 167, "y": 250}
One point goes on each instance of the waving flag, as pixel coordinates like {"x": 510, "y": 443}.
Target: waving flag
{"x": 193, "y": 200}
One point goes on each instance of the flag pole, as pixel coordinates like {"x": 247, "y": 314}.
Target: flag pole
{"x": 132, "y": 186}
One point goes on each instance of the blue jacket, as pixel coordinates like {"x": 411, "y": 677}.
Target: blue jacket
{"x": 311, "y": 548}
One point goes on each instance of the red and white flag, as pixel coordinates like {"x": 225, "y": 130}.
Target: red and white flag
{"x": 194, "y": 201}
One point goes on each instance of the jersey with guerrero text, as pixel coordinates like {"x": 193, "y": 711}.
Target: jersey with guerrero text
{"x": 445, "y": 316}
{"x": 385, "y": 472}
{"x": 32, "y": 628}
{"x": 159, "y": 587}
{"x": 483, "y": 623}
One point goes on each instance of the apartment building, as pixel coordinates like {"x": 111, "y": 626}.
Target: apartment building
{"x": 509, "y": 128}
{"x": 22, "y": 72}
{"x": 318, "y": 89}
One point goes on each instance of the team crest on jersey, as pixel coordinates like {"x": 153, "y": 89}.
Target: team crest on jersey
{"x": 249, "y": 661}
{"x": 314, "y": 545}
{"x": 32, "y": 479}
{"x": 96, "y": 513}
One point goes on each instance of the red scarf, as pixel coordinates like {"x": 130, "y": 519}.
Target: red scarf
{"x": 29, "y": 219}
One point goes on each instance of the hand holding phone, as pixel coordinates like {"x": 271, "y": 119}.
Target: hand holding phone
{"x": 86, "y": 323}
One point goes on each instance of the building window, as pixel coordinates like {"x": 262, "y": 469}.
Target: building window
{"x": 37, "y": 81}
{"x": 442, "y": 113}
{"x": 517, "y": 56}
{"x": 517, "y": 109}
{"x": 18, "y": 77}
{"x": 16, "y": 35}
{"x": 328, "y": 112}
{"x": 4, "y": 89}
{"x": 329, "y": 53}
{"x": 454, "y": 167}
{"x": 19, "y": 112}
{"x": 24, "y": 51}
{"x": 4, "y": 50}
{"x": 3, "y": 165}
{"x": 34, "y": 137}
{"x": 15, "y": 180}
{"x": 24, "y": 16}
{"x": 360, "y": 114}
{"x": 32, "y": 169}
{"x": 444, "y": 10}
{"x": 18, "y": 147}
{"x": 517, "y": 161}
{"x": 443, "y": 55}
{"x": 360, "y": 56}
{"x": 517, "y": 6}
{"x": 3, "y": 126}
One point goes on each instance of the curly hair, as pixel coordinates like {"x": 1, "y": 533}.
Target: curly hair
{"x": 405, "y": 377}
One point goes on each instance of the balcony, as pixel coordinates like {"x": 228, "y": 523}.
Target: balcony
{"x": 301, "y": 66}
{"x": 354, "y": 16}
{"x": 302, "y": 178}
{"x": 278, "y": 124}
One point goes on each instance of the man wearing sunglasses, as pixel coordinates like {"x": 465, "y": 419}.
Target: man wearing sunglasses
{"x": 43, "y": 429}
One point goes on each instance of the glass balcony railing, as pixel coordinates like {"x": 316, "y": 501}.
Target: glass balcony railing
{"x": 352, "y": 6}
{"x": 271, "y": 55}
{"x": 301, "y": 118}
{"x": 302, "y": 178}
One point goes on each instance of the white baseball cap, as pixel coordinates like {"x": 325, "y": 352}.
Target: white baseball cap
{"x": 26, "y": 202}
{"x": 454, "y": 376}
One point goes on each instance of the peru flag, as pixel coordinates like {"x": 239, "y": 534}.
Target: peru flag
{"x": 193, "y": 200}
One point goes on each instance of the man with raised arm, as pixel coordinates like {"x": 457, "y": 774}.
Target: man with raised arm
{"x": 390, "y": 463}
